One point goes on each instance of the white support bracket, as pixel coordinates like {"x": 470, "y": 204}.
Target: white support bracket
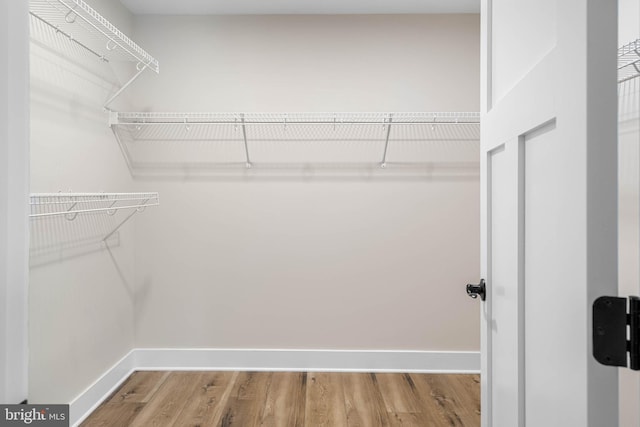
{"x": 383, "y": 164}
{"x": 246, "y": 146}
{"x": 141, "y": 67}
{"x": 136, "y": 210}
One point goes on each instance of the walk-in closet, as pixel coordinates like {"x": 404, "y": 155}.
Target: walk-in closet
{"x": 344, "y": 213}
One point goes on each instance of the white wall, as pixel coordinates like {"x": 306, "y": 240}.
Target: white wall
{"x": 14, "y": 186}
{"x": 629, "y": 200}
{"x": 310, "y": 63}
{"x": 309, "y": 262}
{"x": 81, "y": 295}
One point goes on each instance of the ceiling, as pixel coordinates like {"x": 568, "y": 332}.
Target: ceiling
{"x": 273, "y": 7}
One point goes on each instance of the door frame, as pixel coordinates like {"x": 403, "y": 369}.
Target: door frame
{"x": 14, "y": 200}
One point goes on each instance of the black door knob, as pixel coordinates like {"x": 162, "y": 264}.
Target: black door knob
{"x": 480, "y": 289}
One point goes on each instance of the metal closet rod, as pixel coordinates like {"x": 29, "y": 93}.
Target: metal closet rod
{"x": 77, "y": 211}
{"x": 76, "y": 200}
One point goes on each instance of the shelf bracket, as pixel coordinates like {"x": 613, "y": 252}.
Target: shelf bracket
{"x": 246, "y": 146}
{"x": 123, "y": 147}
{"x": 136, "y": 210}
{"x": 383, "y": 164}
{"x": 141, "y": 69}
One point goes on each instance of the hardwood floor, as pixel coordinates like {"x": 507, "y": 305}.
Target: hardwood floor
{"x": 291, "y": 399}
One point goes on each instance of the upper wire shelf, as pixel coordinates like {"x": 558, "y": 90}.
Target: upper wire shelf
{"x": 629, "y": 61}
{"x": 72, "y": 204}
{"x": 195, "y": 143}
{"x": 78, "y": 22}
{"x": 73, "y": 26}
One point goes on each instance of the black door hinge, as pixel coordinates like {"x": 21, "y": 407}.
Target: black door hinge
{"x": 610, "y": 320}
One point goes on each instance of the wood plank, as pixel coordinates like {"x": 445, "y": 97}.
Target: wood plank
{"x": 442, "y": 399}
{"x": 205, "y": 405}
{"x": 456, "y": 389}
{"x": 139, "y": 387}
{"x": 167, "y": 404}
{"x": 152, "y": 392}
{"x": 471, "y": 383}
{"x": 325, "y": 405}
{"x": 466, "y": 389}
{"x": 285, "y": 401}
{"x": 397, "y": 393}
{"x": 364, "y": 404}
{"x": 403, "y": 403}
{"x": 244, "y": 406}
{"x": 119, "y": 414}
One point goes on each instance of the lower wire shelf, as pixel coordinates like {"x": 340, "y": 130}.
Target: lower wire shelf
{"x": 70, "y": 205}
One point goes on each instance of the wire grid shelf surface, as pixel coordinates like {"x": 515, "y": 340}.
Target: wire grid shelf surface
{"x": 78, "y": 23}
{"x": 196, "y": 141}
{"x": 54, "y": 239}
{"x": 53, "y": 37}
{"x": 629, "y": 61}
{"x": 71, "y": 204}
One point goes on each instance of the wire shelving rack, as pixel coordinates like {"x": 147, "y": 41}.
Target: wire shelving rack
{"x": 70, "y": 205}
{"x": 249, "y": 140}
{"x": 77, "y": 25}
{"x": 629, "y": 61}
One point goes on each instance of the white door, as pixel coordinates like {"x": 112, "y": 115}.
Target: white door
{"x": 548, "y": 159}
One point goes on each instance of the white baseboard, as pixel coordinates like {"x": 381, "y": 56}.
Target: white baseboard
{"x": 92, "y": 397}
{"x": 308, "y": 360}
{"x": 270, "y": 360}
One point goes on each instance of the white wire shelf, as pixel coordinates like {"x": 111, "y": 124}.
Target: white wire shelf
{"x": 199, "y": 141}
{"x": 73, "y": 27}
{"x": 629, "y": 61}
{"x": 77, "y": 21}
{"x": 70, "y": 205}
